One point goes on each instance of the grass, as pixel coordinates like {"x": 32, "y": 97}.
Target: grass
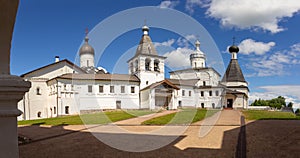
{"x": 186, "y": 116}
{"x": 95, "y": 118}
{"x": 269, "y": 115}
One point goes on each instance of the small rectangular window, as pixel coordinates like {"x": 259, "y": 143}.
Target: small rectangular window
{"x": 210, "y": 93}
{"x": 183, "y": 92}
{"x": 132, "y": 89}
{"x": 38, "y": 91}
{"x": 190, "y": 93}
{"x": 100, "y": 89}
{"x": 67, "y": 110}
{"x": 112, "y": 89}
{"x": 90, "y": 88}
{"x": 122, "y": 89}
{"x": 217, "y": 93}
{"x": 202, "y": 93}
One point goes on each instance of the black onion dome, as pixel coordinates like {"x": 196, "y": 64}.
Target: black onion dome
{"x": 234, "y": 49}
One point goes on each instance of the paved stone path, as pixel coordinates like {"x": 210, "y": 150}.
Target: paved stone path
{"x": 210, "y": 132}
{"x": 140, "y": 119}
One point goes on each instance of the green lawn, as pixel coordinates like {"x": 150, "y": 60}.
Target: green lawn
{"x": 96, "y": 118}
{"x": 269, "y": 115}
{"x": 186, "y": 116}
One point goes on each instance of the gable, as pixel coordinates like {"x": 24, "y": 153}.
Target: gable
{"x": 53, "y": 70}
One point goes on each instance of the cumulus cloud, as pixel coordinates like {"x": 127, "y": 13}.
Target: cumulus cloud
{"x": 168, "y": 4}
{"x": 249, "y": 46}
{"x": 185, "y": 42}
{"x": 275, "y": 64}
{"x": 178, "y": 58}
{"x": 168, "y": 43}
{"x": 191, "y": 4}
{"x": 290, "y": 92}
{"x": 246, "y": 14}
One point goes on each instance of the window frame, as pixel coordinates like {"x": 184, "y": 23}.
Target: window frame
{"x": 111, "y": 89}
{"x": 122, "y": 89}
{"x": 90, "y": 88}
{"x": 132, "y": 89}
{"x": 101, "y": 89}
{"x": 210, "y": 93}
{"x": 202, "y": 93}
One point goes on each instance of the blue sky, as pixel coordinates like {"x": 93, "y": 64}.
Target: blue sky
{"x": 266, "y": 32}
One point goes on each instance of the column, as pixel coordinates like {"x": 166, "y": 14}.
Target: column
{"x": 12, "y": 88}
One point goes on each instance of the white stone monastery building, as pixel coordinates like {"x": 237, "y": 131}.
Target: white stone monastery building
{"x": 63, "y": 88}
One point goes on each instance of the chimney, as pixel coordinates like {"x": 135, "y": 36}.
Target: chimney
{"x": 56, "y": 59}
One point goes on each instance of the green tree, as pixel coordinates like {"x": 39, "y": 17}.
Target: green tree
{"x": 277, "y": 103}
{"x": 290, "y": 105}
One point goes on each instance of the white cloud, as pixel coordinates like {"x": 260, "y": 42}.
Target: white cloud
{"x": 191, "y": 4}
{"x": 168, "y": 4}
{"x": 178, "y": 58}
{"x": 249, "y": 46}
{"x": 168, "y": 43}
{"x": 290, "y": 92}
{"x": 185, "y": 42}
{"x": 275, "y": 64}
{"x": 249, "y": 14}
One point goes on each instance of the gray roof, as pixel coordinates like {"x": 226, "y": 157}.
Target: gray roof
{"x": 67, "y": 62}
{"x": 196, "y": 70}
{"x": 166, "y": 82}
{"x": 146, "y": 46}
{"x": 191, "y": 82}
{"x": 233, "y": 72}
{"x": 105, "y": 77}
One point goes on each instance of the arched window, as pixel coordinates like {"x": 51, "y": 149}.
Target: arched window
{"x": 54, "y": 110}
{"x": 39, "y": 114}
{"x": 147, "y": 64}
{"x": 204, "y": 83}
{"x": 136, "y": 65}
{"x": 131, "y": 68}
{"x": 38, "y": 91}
{"x": 202, "y": 105}
{"x": 156, "y": 65}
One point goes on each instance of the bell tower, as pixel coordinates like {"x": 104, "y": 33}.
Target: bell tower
{"x": 146, "y": 64}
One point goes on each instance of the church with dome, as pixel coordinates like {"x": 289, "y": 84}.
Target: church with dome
{"x": 64, "y": 88}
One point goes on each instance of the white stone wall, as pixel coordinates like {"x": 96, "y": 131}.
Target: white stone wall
{"x": 186, "y": 99}
{"x": 208, "y": 75}
{"x": 87, "y": 60}
{"x": 107, "y": 99}
{"x": 145, "y": 99}
{"x": 35, "y": 101}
